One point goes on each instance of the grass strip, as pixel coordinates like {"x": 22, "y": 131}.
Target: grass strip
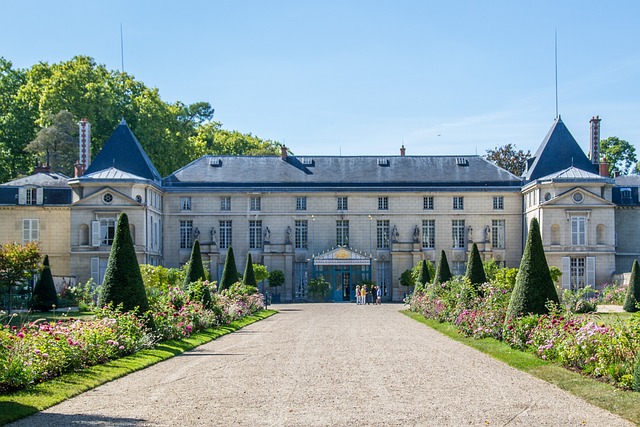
{"x": 621, "y": 402}
{"x": 46, "y": 394}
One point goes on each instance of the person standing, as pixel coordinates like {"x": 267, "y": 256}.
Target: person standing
{"x": 357, "y": 294}
{"x": 378, "y": 295}
{"x": 364, "y": 294}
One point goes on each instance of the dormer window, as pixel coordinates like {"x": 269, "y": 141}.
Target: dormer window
{"x": 30, "y": 196}
{"x": 625, "y": 196}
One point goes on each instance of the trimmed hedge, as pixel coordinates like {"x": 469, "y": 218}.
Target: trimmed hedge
{"x": 443, "y": 273}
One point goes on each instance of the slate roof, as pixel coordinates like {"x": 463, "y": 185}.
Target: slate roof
{"x": 558, "y": 151}
{"x": 572, "y": 174}
{"x": 42, "y": 179}
{"x": 340, "y": 173}
{"x": 122, "y": 151}
{"x": 631, "y": 195}
{"x": 112, "y": 173}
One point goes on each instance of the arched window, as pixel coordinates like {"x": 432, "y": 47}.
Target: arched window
{"x": 555, "y": 234}
{"x": 84, "y": 234}
{"x": 600, "y": 236}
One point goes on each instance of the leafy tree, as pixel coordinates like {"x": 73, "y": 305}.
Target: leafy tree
{"x": 620, "y": 154}
{"x": 276, "y": 278}
{"x": 534, "y": 286}
{"x": 319, "y": 289}
{"x": 509, "y": 158}
{"x": 122, "y": 279}
{"x": 56, "y": 143}
{"x": 260, "y": 271}
{"x": 475, "y": 270}
{"x": 249, "y": 277}
{"x": 443, "y": 273}
{"x": 229, "y": 272}
{"x": 424, "y": 273}
{"x": 195, "y": 269}
{"x": 406, "y": 279}
{"x": 210, "y": 138}
{"x": 17, "y": 264}
{"x": 44, "y": 295}
{"x": 633, "y": 291}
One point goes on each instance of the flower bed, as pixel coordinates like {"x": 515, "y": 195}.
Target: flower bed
{"x": 38, "y": 351}
{"x": 609, "y": 352}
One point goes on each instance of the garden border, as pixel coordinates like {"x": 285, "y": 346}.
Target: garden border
{"x": 620, "y": 402}
{"x": 41, "y": 396}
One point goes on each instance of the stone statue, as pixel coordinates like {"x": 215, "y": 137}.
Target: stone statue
{"x": 416, "y": 234}
{"x": 470, "y": 234}
{"x": 213, "y": 235}
{"x": 394, "y": 234}
{"x": 267, "y": 235}
{"x": 288, "y": 233}
{"x": 196, "y": 233}
{"x": 487, "y": 234}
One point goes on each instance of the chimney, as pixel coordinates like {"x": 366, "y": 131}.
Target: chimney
{"x": 594, "y": 151}
{"x": 84, "y": 144}
{"x": 78, "y": 169}
{"x": 402, "y": 150}
{"x": 41, "y": 169}
{"x": 284, "y": 152}
{"x": 604, "y": 167}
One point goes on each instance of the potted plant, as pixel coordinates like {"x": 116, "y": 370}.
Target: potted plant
{"x": 319, "y": 289}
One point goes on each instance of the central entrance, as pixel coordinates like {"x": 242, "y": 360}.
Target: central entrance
{"x": 344, "y": 269}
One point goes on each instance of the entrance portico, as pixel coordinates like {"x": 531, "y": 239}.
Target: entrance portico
{"x": 343, "y": 268}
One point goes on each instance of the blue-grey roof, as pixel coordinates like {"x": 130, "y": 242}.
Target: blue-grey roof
{"x": 631, "y": 186}
{"x": 558, "y": 151}
{"x": 338, "y": 172}
{"x": 123, "y": 152}
{"x": 572, "y": 173}
{"x": 42, "y": 179}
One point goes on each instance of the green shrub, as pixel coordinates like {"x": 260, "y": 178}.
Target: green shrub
{"x": 475, "y": 271}
{"x": 249, "y": 277}
{"x": 195, "y": 269}
{"x": 633, "y": 291}
{"x": 276, "y": 278}
{"x": 44, "y": 295}
{"x": 230, "y": 271}
{"x": 443, "y": 273}
{"x": 319, "y": 289}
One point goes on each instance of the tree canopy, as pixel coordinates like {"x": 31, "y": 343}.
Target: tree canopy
{"x": 509, "y": 158}
{"x": 172, "y": 134}
{"x": 620, "y": 154}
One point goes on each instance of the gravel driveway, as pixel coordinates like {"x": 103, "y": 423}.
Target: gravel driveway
{"x": 328, "y": 364}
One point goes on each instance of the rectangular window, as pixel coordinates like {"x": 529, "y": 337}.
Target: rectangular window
{"x": 225, "y": 234}
{"x": 384, "y": 277}
{"x": 255, "y": 204}
{"x": 31, "y": 196}
{"x": 300, "y": 278}
{"x": 427, "y": 203}
{"x": 255, "y": 234}
{"x": 458, "y": 231}
{"x": 497, "y": 233}
{"x": 107, "y": 231}
{"x": 30, "y": 230}
{"x": 301, "y": 203}
{"x": 186, "y": 233}
{"x": 342, "y": 204}
{"x": 428, "y": 233}
{"x": 382, "y": 234}
{"x": 498, "y": 202}
{"x": 383, "y": 203}
{"x": 302, "y": 234}
{"x": 458, "y": 202}
{"x": 578, "y": 231}
{"x": 578, "y": 273}
{"x": 185, "y": 203}
{"x": 458, "y": 268}
{"x": 225, "y": 203}
{"x": 342, "y": 232}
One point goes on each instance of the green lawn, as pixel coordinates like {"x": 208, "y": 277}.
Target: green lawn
{"x": 621, "y": 402}
{"x": 44, "y": 395}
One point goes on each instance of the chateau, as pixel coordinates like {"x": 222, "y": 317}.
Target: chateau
{"x": 346, "y": 218}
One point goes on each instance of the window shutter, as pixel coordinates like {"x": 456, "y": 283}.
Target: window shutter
{"x": 25, "y": 231}
{"x": 95, "y": 270}
{"x": 566, "y": 272}
{"x": 95, "y": 233}
{"x": 39, "y": 196}
{"x": 591, "y": 271}
{"x": 35, "y": 230}
{"x": 22, "y": 196}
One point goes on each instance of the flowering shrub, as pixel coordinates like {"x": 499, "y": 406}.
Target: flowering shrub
{"x": 579, "y": 342}
{"x": 612, "y": 294}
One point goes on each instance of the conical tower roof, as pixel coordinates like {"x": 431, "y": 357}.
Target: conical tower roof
{"x": 558, "y": 151}
{"x": 122, "y": 151}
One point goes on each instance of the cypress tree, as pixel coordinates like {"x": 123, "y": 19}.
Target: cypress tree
{"x": 424, "y": 273}
{"x": 443, "y": 273}
{"x": 230, "y": 272}
{"x": 534, "y": 286}
{"x": 633, "y": 292}
{"x": 44, "y": 295}
{"x": 249, "y": 277}
{"x": 195, "y": 270}
{"x": 475, "y": 270}
{"x": 122, "y": 282}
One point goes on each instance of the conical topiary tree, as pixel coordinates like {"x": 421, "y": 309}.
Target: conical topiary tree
{"x": 475, "y": 270}
{"x": 249, "y": 277}
{"x": 534, "y": 286}
{"x": 633, "y": 292}
{"x": 443, "y": 273}
{"x": 424, "y": 273}
{"x": 230, "y": 271}
{"x": 122, "y": 282}
{"x": 44, "y": 295}
{"x": 195, "y": 269}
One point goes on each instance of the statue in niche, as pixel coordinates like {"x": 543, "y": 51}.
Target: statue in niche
{"x": 487, "y": 234}
{"x": 416, "y": 234}
{"x": 470, "y": 234}
{"x": 288, "y": 235}
{"x": 267, "y": 235}
{"x": 394, "y": 234}
{"x": 213, "y": 235}
{"x": 196, "y": 233}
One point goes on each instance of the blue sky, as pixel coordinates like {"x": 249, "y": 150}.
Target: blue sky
{"x": 362, "y": 77}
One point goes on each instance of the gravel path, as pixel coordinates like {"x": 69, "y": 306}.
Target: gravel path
{"x": 328, "y": 364}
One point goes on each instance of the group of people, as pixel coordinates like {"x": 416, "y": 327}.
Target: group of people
{"x": 368, "y": 295}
